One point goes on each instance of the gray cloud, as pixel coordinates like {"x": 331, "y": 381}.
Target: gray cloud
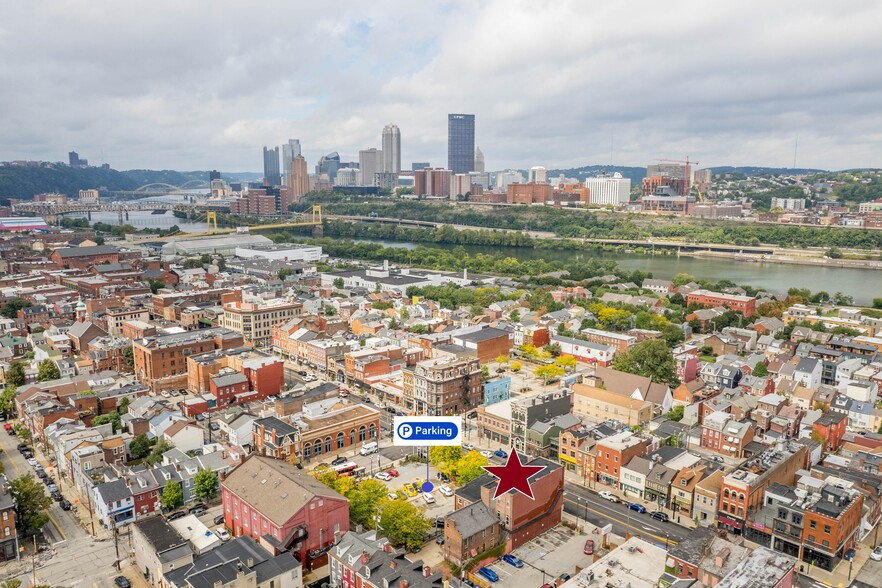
{"x": 205, "y": 84}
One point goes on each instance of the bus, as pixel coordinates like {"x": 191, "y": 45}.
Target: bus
{"x": 345, "y": 468}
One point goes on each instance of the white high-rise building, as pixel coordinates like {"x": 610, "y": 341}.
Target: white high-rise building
{"x": 537, "y": 175}
{"x": 391, "y": 149}
{"x": 479, "y": 160}
{"x": 504, "y": 178}
{"x": 615, "y": 190}
{"x": 346, "y": 177}
{"x": 290, "y": 150}
{"x": 370, "y": 163}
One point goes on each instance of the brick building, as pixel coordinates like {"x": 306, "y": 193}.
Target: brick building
{"x": 743, "y": 304}
{"x": 831, "y": 427}
{"x": 84, "y": 257}
{"x": 277, "y": 504}
{"x": 528, "y": 193}
{"x": 613, "y": 452}
{"x": 8, "y": 536}
{"x": 619, "y": 341}
{"x": 161, "y": 360}
{"x": 256, "y": 320}
{"x": 488, "y": 343}
{"x": 445, "y": 386}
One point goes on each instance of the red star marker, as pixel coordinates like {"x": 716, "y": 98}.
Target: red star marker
{"x": 514, "y": 475}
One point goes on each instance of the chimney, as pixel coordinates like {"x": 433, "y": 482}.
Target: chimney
{"x": 365, "y": 558}
{"x": 393, "y": 564}
{"x": 387, "y": 547}
{"x": 250, "y": 562}
{"x": 403, "y": 584}
{"x": 427, "y": 571}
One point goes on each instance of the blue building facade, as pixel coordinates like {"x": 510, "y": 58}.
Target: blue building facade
{"x": 497, "y": 390}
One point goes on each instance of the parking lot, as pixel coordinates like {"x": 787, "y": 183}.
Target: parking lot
{"x": 559, "y": 551}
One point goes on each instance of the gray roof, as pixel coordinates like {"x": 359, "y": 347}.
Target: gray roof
{"x": 159, "y": 533}
{"x": 472, "y": 519}
{"x": 229, "y": 379}
{"x": 221, "y": 563}
{"x": 115, "y": 491}
{"x": 86, "y": 251}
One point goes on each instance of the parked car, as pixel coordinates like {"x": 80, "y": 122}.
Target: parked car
{"x": 122, "y": 582}
{"x": 589, "y": 547}
{"x": 487, "y": 454}
{"x": 222, "y": 534}
{"x": 445, "y": 490}
{"x": 338, "y": 460}
{"x": 512, "y": 560}
{"x": 393, "y": 473}
{"x": 876, "y": 554}
{"x": 390, "y": 409}
{"x": 439, "y": 539}
{"x": 175, "y": 515}
{"x": 56, "y": 496}
{"x": 53, "y": 489}
{"x": 64, "y": 504}
{"x": 472, "y": 415}
{"x": 399, "y": 413}
{"x": 637, "y": 507}
{"x": 489, "y": 574}
{"x": 309, "y": 378}
{"x": 500, "y": 453}
{"x": 427, "y": 496}
{"x": 381, "y": 405}
{"x": 659, "y": 516}
{"x": 383, "y": 476}
{"x": 219, "y": 519}
{"x": 32, "y": 462}
{"x": 409, "y": 490}
{"x": 200, "y": 417}
{"x": 7, "y": 426}
{"x": 607, "y": 495}
{"x": 11, "y": 432}
{"x": 343, "y": 394}
{"x": 41, "y": 473}
{"x": 197, "y": 509}
{"x": 214, "y": 427}
{"x": 166, "y": 394}
{"x": 467, "y": 446}
{"x": 564, "y": 577}
{"x": 22, "y": 447}
{"x": 392, "y": 496}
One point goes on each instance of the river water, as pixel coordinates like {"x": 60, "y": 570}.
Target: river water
{"x": 863, "y": 285}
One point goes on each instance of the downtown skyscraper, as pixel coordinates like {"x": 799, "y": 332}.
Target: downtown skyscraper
{"x": 271, "y": 174}
{"x": 461, "y": 143}
{"x": 290, "y": 150}
{"x": 391, "y": 149}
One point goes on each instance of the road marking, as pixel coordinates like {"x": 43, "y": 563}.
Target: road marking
{"x": 57, "y": 526}
{"x": 670, "y": 542}
{"x": 9, "y": 458}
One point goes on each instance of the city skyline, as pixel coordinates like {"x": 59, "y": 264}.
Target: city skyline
{"x": 714, "y": 83}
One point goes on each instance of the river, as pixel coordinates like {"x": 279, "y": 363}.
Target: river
{"x": 863, "y": 285}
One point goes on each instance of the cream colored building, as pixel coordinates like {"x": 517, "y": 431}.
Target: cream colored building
{"x": 600, "y": 405}
{"x": 256, "y": 320}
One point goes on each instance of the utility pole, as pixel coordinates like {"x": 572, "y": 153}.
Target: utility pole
{"x": 116, "y": 543}
{"x": 34, "y": 559}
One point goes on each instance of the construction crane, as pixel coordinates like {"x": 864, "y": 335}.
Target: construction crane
{"x": 686, "y": 176}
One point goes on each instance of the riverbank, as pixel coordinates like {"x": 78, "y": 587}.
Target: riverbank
{"x": 859, "y": 264}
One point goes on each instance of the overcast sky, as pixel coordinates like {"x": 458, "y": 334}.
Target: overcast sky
{"x": 205, "y": 84}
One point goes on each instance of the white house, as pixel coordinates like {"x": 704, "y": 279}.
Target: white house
{"x": 239, "y": 431}
{"x": 184, "y": 436}
{"x": 808, "y": 373}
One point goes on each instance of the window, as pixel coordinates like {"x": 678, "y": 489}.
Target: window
{"x": 826, "y": 529}
{"x": 825, "y": 543}
{"x": 813, "y": 525}
{"x": 341, "y": 440}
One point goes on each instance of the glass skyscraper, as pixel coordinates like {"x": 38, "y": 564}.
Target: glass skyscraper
{"x": 461, "y": 143}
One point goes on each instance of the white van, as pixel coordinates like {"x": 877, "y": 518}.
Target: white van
{"x": 369, "y": 448}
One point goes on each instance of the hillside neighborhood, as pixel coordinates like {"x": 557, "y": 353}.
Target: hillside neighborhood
{"x": 217, "y": 412}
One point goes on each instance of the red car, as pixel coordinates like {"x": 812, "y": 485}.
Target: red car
{"x": 393, "y": 473}
{"x": 8, "y": 426}
{"x": 589, "y": 547}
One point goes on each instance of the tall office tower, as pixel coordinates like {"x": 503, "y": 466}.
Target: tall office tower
{"x": 461, "y": 143}
{"x": 290, "y": 150}
{"x": 479, "y": 160}
{"x": 370, "y": 163}
{"x": 298, "y": 179}
{"x": 418, "y": 165}
{"x": 271, "y": 173}
{"x": 214, "y": 175}
{"x": 391, "y": 149}
{"x": 328, "y": 164}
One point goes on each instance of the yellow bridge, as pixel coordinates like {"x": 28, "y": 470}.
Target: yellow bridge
{"x": 312, "y": 218}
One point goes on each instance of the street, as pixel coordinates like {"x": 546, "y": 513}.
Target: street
{"x": 73, "y": 557}
{"x": 584, "y": 503}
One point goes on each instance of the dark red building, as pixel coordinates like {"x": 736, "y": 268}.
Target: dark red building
{"x": 284, "y": 508}
{"x": 831, "y": 426}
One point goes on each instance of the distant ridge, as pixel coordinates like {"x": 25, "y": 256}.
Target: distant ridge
{"x": 750, "y": 170}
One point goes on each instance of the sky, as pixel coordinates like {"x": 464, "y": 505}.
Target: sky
{"x": 206, "y": 84}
